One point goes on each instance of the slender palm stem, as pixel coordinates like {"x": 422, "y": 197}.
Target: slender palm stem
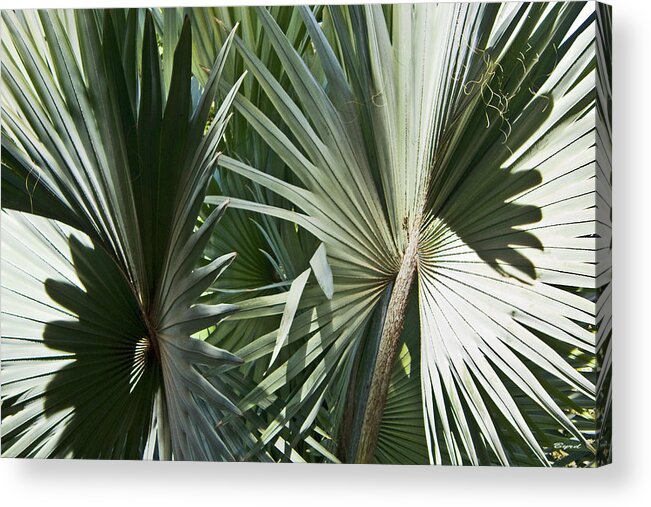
{"x": 391, "y": 331}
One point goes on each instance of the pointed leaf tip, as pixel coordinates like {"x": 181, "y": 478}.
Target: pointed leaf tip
{"x": 322, "y": 271}
{"x": 293, "y": 300}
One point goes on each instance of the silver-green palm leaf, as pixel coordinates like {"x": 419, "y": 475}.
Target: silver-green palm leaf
{"x": 451, "y": 145}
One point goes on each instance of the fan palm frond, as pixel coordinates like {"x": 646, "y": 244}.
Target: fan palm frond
{"x": 447, "y": 150}
{"x": 115, "y": 154}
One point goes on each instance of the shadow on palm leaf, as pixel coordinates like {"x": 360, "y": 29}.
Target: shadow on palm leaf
{"x": 111, "y": 383}
{"x": 497, "y": 235}
{"x": 482, "y": 208}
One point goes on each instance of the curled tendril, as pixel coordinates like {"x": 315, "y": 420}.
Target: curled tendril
{"x": 381, "y": 92}
{"x": 30, "y": 192}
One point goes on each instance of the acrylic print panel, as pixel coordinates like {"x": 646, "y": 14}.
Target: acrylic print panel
{"x": 356, "y": 234}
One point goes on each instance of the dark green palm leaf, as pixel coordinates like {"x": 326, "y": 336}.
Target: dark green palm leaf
{"x": 99, "y": 358}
